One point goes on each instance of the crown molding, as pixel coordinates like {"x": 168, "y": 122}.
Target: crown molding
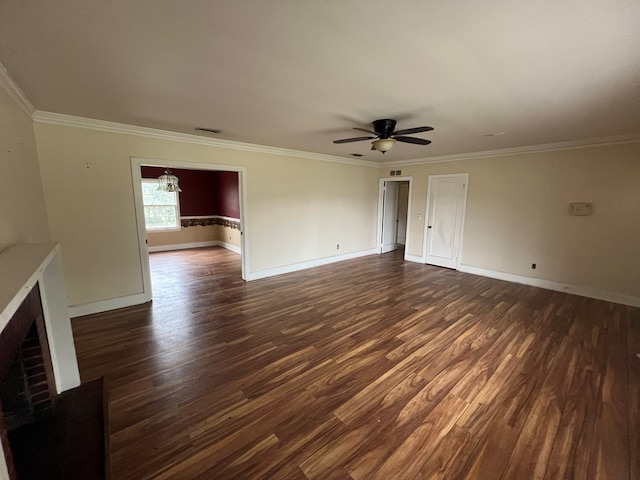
{"x": 15, "y": 92}
{"x": 113, "y": 127}
{"x": 547, "y": 147}
{"x": 122, "y": 128}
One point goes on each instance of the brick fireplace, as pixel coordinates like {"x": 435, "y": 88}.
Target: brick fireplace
{"x": 37, "y": 354}
{"x": 27, "y": 387}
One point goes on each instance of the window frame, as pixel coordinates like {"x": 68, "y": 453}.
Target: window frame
{"x": 178, "y": 227}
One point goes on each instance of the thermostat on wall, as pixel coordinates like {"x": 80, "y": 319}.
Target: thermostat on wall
{"x": 580, "y": 208}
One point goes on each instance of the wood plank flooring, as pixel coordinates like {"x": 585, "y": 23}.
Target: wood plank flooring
{"x": 366, "y": 369}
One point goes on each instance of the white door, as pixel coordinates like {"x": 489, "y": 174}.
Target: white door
{"x": 447, "y": 196}
{"x": 389, "y": 216}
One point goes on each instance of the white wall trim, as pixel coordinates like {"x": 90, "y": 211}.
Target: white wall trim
{"x": 106, "y": 305}
{"x": 197, "y": 217}
{"x": 113, "y": 127}
{"x": 414, "y": 258}
{"x": 271, "y": 272}
{"x": 606, "y": 295}
{"x": 140, "y": 298}
{"x": 183, "y": 246}
{"x": 9, "y": 309}
{"x": 231, "y": 247}
{"x": 15, "y": 92}
{"x": 186, "y": 246}
{"x": 23, "y": 267}
{"x": 545, "y": 147}
{"x": 138, "y": 162}
{"x": 381, "y": 188}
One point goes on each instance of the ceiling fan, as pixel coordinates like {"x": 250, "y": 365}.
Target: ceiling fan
{"x": 384, "y": 136}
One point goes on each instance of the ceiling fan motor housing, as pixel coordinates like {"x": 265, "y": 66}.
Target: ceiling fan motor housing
{"x": 385, "y": 127}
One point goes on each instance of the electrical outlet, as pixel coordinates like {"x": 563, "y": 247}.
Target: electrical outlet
{"x": 533, "y": 266}
{"x": 337, "y": 246}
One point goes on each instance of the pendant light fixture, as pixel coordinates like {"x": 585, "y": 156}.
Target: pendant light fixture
{"x": 168, "y": 182}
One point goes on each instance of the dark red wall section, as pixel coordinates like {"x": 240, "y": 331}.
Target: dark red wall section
{"x": 226, "y": 194}
{"x": 204, "y": 192}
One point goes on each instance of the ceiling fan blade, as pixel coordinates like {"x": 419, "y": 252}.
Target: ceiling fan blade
{"x": 364, "y": 130}
{"x": 355, "y": 139}
{"x": 417, "y": 141}
{"x": 412, "y": 130}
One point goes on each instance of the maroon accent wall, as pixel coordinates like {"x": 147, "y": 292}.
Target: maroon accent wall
{"x": 204, "y": 192}
{"x": 226, "y": 194}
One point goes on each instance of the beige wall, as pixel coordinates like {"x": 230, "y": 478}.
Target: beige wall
{"x": 517, "y": 215}
{"x": 297, "y": 209}
{"x": 228, "y": 235}
{"x": 208, "y": 233}
{"x": 22, "y": 210}
{"x": 184, "y": 235}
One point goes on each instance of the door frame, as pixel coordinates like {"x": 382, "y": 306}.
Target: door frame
{"x": 465, "y": 178}
{"x": 380, "y": 212}
{"x": 136, "y": 178}
{"x": 389, "y": 236}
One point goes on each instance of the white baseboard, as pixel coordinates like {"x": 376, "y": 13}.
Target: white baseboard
{"x": 185, "y": 246}
{"x": 271, "y": 272}
{"x": 609, "y": 296}
{"x": 182, "y": 246}
{"x": 137, "y": 299}
{"x": 106, "y": 305}
{"x": 228, "y": 246}
{"x": 615, "y": 297}
{"x": 413, "y": 258}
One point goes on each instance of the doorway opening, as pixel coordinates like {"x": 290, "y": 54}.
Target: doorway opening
{"x": 209, "y": 210}
{"x": 393, "y": 215}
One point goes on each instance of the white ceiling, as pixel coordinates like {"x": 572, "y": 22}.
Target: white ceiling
{"x": 301, "y": 73}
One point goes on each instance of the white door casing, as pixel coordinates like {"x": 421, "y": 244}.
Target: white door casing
{"x": 403, "y": 211}
{"x": 381, "y": 216}
{"x": 136, "y": 176}
{"x": 446, "y": 205}
{"x": 389, "y": 217}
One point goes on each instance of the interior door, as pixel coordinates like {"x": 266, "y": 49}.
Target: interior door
{"x": 445, "y": 216}
{"x": 389, "y": 216}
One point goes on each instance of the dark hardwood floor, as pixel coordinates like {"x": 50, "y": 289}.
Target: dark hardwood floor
{"x": 367, "y": 369}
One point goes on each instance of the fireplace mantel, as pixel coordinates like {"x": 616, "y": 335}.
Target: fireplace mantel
{"x": 21, "y": 268}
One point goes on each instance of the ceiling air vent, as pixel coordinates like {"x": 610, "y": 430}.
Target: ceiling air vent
{"x": 208, "y": 130}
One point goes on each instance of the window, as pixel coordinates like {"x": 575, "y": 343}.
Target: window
{"x": 161, "y": 209}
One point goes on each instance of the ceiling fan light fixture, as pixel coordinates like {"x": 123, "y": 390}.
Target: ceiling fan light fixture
{"x": 385, "y": 135}
{"x": 383, "y": 144}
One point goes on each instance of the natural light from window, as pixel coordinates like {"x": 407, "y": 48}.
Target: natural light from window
{"x": 161, "y": 209}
